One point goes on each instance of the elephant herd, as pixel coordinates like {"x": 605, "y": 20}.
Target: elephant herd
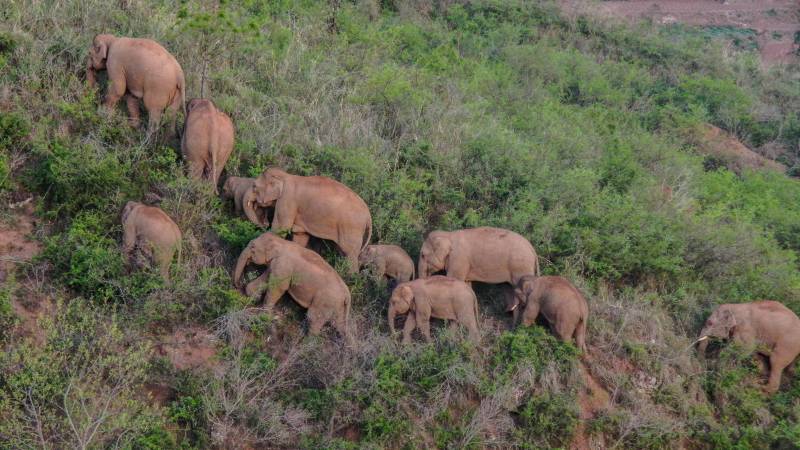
{"x": 320, "y": 207}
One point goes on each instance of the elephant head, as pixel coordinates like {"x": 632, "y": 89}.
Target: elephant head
{"x": 434, "y": 254}
{"x": 260, "y": 251}
{"x": 98, "y": 55}
{"x": 400, "y": 303}
{"x": 228, "y": 190}
{"x": 127, "y": 210}
{"x": 249, "y": 205}
{"x": 720, "y": 324}
{"x": 197, "y": 102}
{"x": 269, "y": 187}
{"x": 520, "y": 298}
{"x": 367, "y": 255}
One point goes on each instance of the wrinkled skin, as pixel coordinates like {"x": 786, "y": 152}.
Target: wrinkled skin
{"x": 767, "y": 327}
{"x": 207, "y": 140}
{"x": 485, "y": 254}
{"x": 563, "y": 306}
{"x": 313, "y": 206}
{"x": 150, "y": 230}
{"x": 388, "y": 261}
{"x": 438, "y": 297}
{"x": 301, "y": 273}
{"x": 138, "y": 69}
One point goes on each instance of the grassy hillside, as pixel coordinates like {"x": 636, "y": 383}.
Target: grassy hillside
{"x": 582, "y": 136}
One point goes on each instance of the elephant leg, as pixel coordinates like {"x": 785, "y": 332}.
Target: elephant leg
{"x": 129, "y": 243}
{"x": 316, "y": 320}
{"x": 564, "y": 330}
{"x": 777, "y": 362}
{"x": 254, "y": 289}
{"x": 276, "y": 292}
{"x": 408, "y": 328}
{"x": 134, "y": 118}
{"x": 172, "y": 115}
{"x": 196, "y": 169}
{"x": 580, "y": 336}
{"x": 301, "y": 238}
{"x": 164, "y": 259}
{"x": 153, "y": 121}
{"x": 424, "y": 324}
{"x": 116, "y": 88}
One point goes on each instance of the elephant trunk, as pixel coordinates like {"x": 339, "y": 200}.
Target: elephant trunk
{"x": 91, "y": 73}
{"x": 392, "y": 314}
{"x": 702, "y": 345}
{"x": 423, "y": 271}
{"x": 249, "y": 206}
{"x": 244, "y": 259}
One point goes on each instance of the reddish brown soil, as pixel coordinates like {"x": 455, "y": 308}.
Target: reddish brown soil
{"x": 774, "y": 21}
{"x": 591, "y": 400}
{"x": 189, "y": 348}
{"x": 17, "y": 248}
{"x": 713, "y": 141}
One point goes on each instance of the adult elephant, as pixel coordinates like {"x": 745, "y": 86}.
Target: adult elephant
{"x": 484, "y": 254}
{"x": 308, "y": 279}
{"x": 766, "y": 327}
{"x": 207, "y": 140}
{"x": 312, "y": 206}
{"x": 139, "y": 69}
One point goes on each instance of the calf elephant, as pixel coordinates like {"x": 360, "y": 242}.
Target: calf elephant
{"x": 308, "y": 279}
{"x": 152, "y": 232}
{"x": 560, "y": 302}
{"x": 766, "y": 327}
{"x": 207, "y": 140}
{"x": 138, "y": 69}
{"x": 485, "y": 254}
{"x": 388, "y": 260}
{"x": 439, "y": 297}
{"x": 238, "y": 189}
{"x": 313, "y": 206}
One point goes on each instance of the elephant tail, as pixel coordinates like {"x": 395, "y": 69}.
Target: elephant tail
{"x": 367, "y": 233}
{"x": 475, "y": 308}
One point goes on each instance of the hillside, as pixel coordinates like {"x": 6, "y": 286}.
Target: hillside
{"x": 613, "y": 149}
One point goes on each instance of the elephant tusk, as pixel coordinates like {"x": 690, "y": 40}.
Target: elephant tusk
{"x": 513, "y": 307}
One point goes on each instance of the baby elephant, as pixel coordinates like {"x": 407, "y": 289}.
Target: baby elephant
{"x": 238, "y": 189}
{"x": 150, "y": 230}
{"x": 301, "y": 273}
{"x": 207, "y": 140}
{"x": 388, "y": 261}
{"x": 559, "y": 301}
{"x": 439, "y": 297}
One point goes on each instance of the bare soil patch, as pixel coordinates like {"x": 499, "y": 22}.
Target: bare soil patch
{"x": 189, "y": 348}
{"x": 715, "y": 142}
{"x": 772, "y": 22}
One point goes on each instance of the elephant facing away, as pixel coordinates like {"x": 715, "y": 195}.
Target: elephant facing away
{"x": 560, "y": 302}
{"x": 152, "y": 232}
{"x": 439, "y": 297}
{"x": 389, "y": 261}
{"x": 308, "y": 279}
{"x": 767, "y": 327}
{"x": 138, "y": 69}
{"x": 313, "y": 206}
{"x": 207, "y": 140}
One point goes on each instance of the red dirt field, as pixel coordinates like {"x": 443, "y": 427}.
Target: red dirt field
{"x": 775, "y": 22}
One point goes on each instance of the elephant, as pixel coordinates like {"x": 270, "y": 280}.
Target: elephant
{"x": 767, "y": 327}
{"x": 484, "y": 254}
{"x": 207, "y": 140}
{"x": 238, "y": 189}
{"x": 560, "y": 302}
{"x": 151, "y": 230}
{"x": 313, "y": 206}
{"x": 388, "y": 260}
{"x": 138, "y": 69}
{"x": 308, "y": 279}
{"x": 438, "y": 297}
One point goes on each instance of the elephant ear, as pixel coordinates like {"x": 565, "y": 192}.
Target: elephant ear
{"x": 406, "y": 294}
{"x": 441, "y": 248}
{"x": 526, "y": 286}
{"x": 101, "y": 47}
{"x": 729, "y": 320}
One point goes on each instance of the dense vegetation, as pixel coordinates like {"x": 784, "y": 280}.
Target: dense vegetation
{"x": 577, "y": 134}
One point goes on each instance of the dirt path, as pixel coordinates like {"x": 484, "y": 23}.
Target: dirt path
{"x": 774, "y": 22}
{"x": 592, "y": 400}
